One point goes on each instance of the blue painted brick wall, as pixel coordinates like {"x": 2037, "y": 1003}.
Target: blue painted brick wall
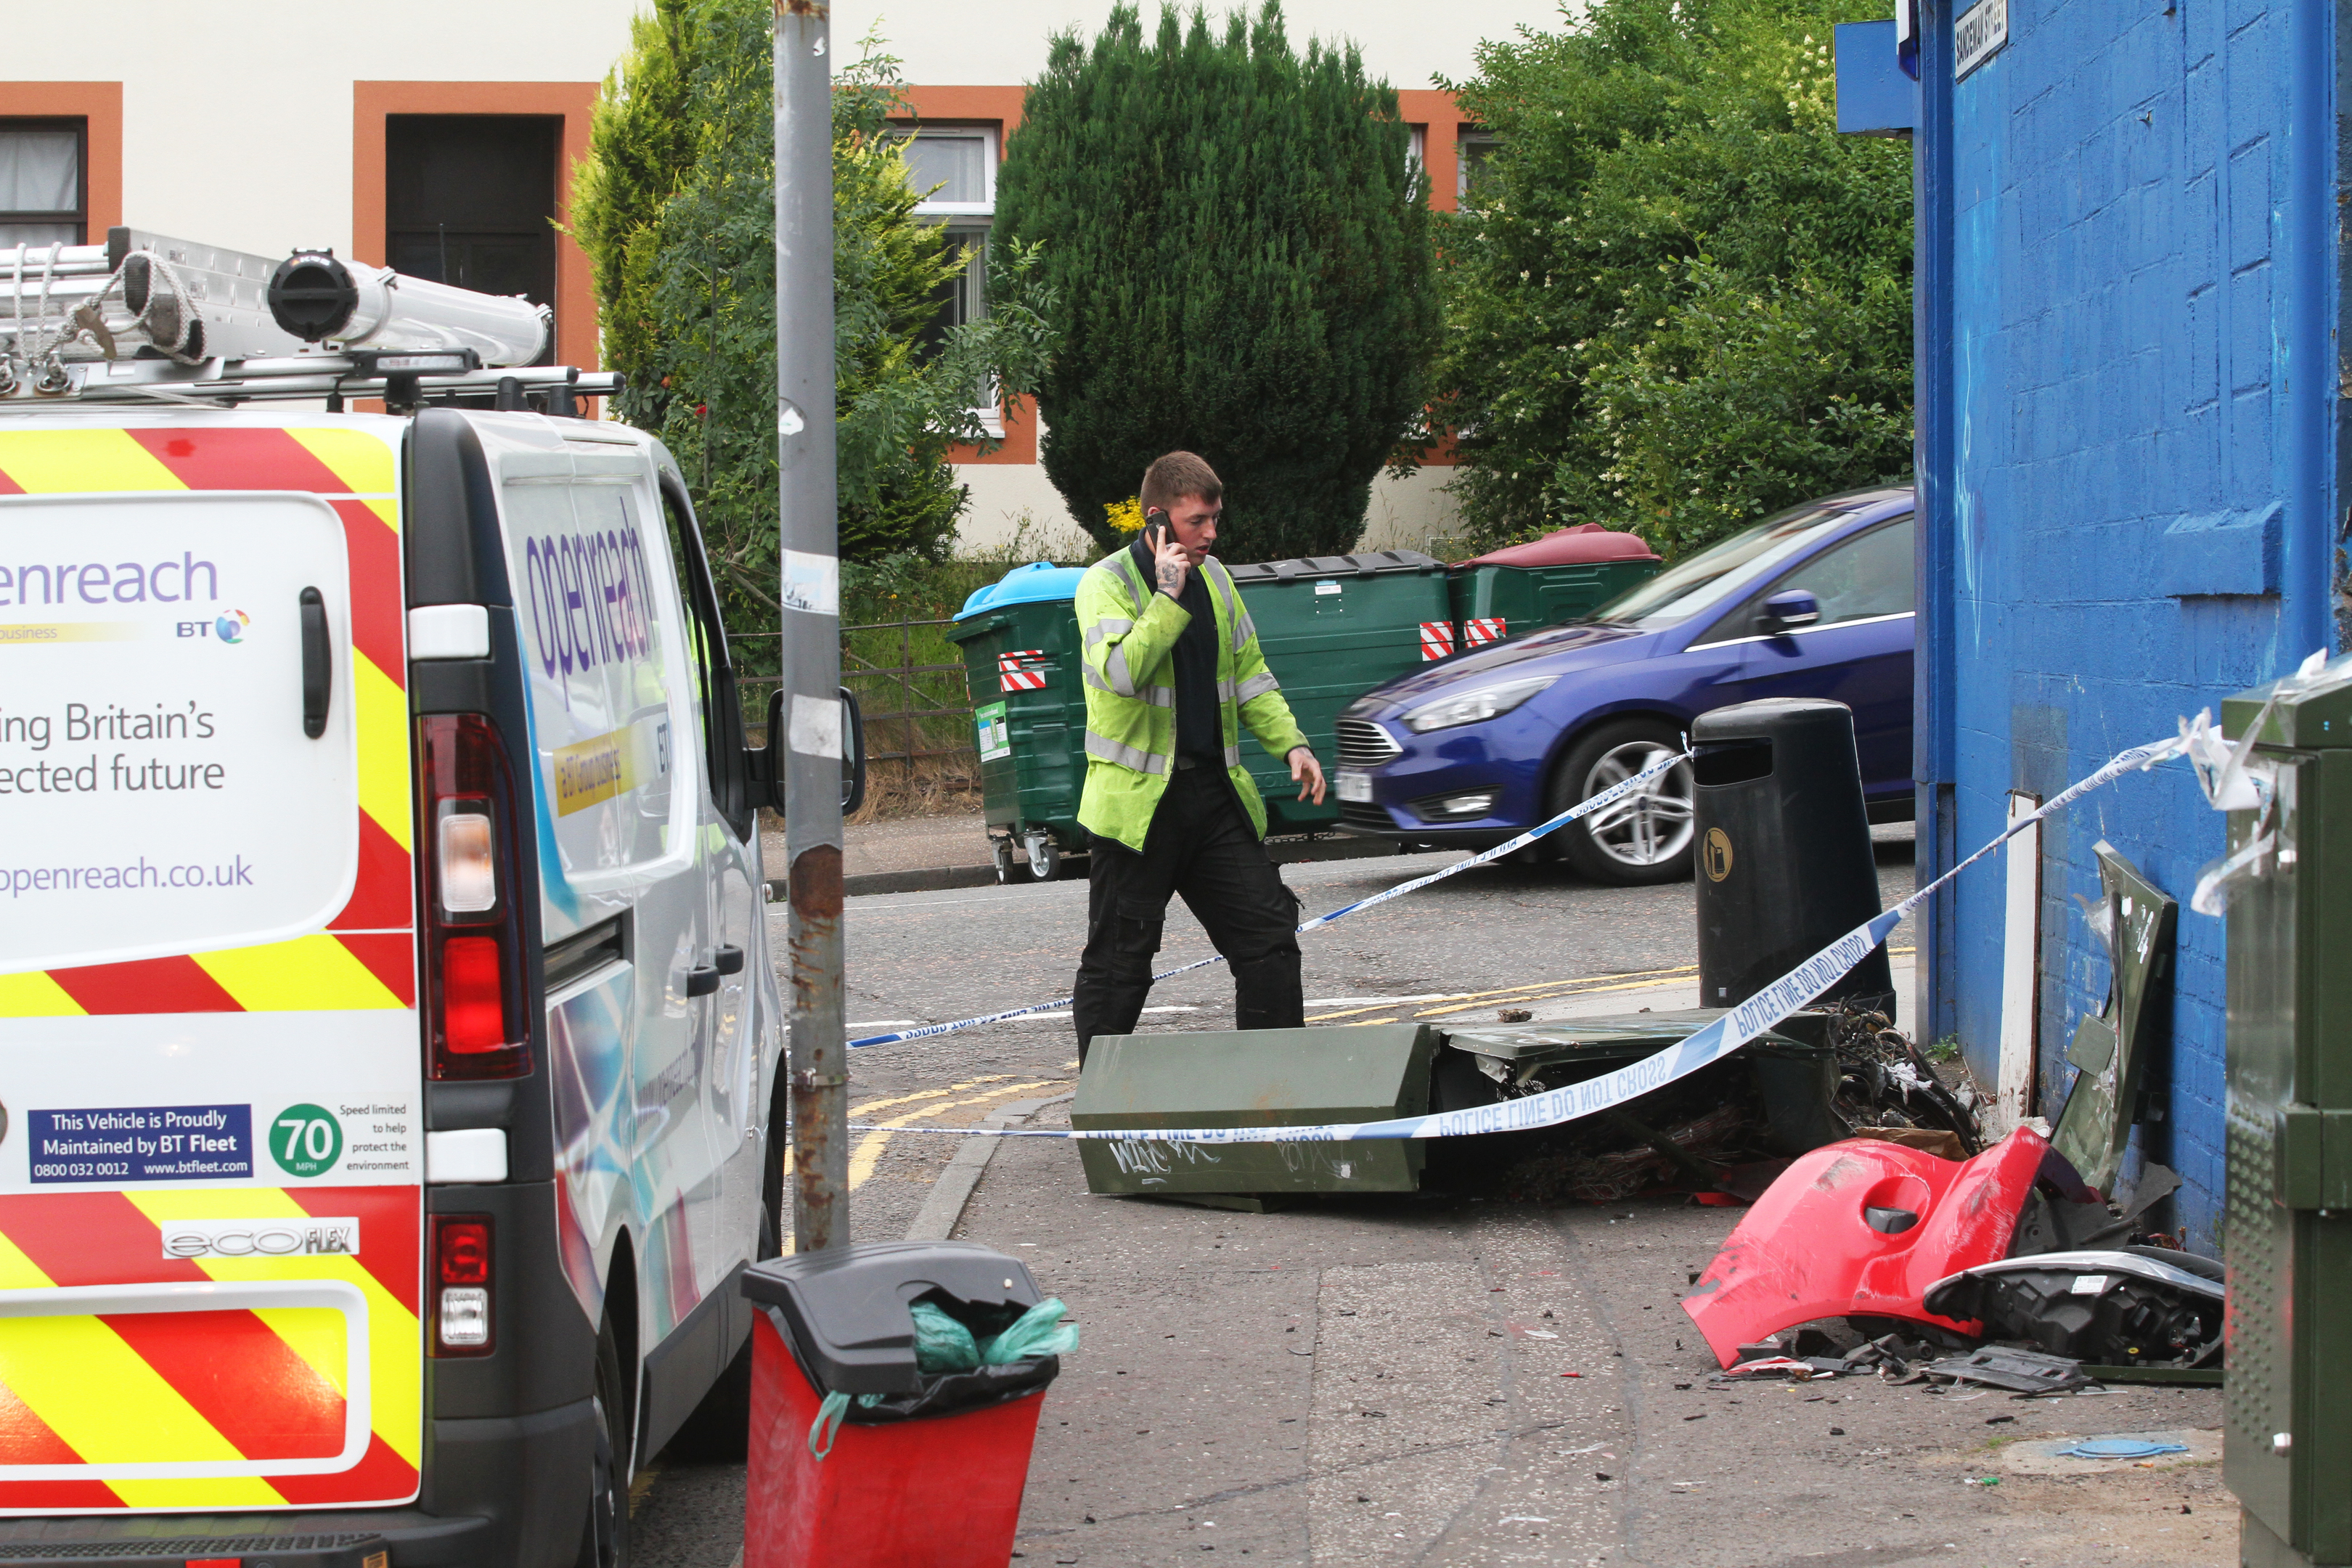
{"x": 2130, "y": 504}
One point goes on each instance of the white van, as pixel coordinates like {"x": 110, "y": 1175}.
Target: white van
{"x": 388, "y": 1043}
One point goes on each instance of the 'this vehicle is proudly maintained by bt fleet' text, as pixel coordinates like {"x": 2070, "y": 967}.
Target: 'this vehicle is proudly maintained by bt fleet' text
{"x": 387, "y": 1043}
{"x": 1478, "y": 748}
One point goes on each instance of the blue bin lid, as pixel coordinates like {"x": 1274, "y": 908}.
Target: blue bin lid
{"x": 1040, "y": 582}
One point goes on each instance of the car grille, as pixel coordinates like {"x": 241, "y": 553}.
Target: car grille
{"x": 1370, "y": 818}
{"x": 1364, "y": 744}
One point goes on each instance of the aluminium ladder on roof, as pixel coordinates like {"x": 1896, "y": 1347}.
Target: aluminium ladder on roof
{"x": 145, "y": 318}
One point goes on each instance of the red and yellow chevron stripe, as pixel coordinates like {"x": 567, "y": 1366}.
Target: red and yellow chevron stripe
{"x": 235, "y": 1389}
{"x": 366, "y": 956}
{"x": 257, "y": 1397}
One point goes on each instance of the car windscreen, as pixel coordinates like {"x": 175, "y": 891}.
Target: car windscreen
{"x": 1714, "y": 574}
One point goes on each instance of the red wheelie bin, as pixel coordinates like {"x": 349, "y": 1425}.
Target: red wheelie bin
{"x": 929, "y": 1467}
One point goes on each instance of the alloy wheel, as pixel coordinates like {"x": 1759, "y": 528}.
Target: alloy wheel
{"x": 1653, "y": 824}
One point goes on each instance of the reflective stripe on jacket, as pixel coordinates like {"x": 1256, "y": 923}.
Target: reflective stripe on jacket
{"x": 1129, "y": 633}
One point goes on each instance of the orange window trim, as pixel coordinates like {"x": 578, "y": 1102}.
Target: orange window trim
{"x": 373, "y": 101}
{"x": 99, "y": 104}
{"x": 999, "y": 107}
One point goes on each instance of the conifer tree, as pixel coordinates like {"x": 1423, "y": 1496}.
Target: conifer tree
{"x": 1239, "y": 265}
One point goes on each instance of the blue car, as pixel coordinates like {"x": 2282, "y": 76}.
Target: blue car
{"x": 1816, "y": 602}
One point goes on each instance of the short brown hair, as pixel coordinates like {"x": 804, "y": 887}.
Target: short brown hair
{"x": 1175, "y": 475}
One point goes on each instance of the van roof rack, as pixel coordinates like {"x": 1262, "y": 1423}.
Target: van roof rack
{"x": 145, "y": 319}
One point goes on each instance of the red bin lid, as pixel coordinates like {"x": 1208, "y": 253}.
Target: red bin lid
{"x": 1584, "y": 543}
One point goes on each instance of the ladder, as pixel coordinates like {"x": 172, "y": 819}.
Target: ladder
{"x": 148, "y": 319}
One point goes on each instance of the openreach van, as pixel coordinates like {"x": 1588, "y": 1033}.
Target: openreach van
{"x": 388, "y": 1044}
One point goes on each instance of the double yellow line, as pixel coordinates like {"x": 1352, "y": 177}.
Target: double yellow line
{"x": 1537, "y": 991}
{"x": 868, "y": 1152}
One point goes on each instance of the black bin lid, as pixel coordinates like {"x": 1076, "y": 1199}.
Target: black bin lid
{"x": 846, "y": 1307}
{"x": 1309, "y": 568}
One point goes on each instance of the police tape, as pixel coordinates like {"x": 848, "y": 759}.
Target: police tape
{"x": 1720, "y": 1037}
{"x": 1609, "y": 796}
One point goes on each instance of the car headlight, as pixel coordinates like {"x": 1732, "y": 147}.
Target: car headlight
{"x": 1474, "y": 707}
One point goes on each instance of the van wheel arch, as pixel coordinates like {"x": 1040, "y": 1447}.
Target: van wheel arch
{"x": 621, "y": 1313}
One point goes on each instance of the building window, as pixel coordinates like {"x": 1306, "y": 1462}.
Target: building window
{"x": 44, "y": 182}
{"x": 1472, "y": 154}
{"x": 469, "y": 200}
{"x": 953, "y": 171}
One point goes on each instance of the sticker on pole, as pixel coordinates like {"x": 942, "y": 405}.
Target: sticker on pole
{"x": 305, "y": 1140}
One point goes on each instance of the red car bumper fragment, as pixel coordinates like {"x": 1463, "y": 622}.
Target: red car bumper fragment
{"x": 1862, "y": 1228}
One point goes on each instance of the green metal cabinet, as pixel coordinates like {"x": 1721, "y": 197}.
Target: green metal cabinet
{"x": 1332, "y": 627}
{"x": 1258, "y": 1077}
{"x": 2287, "y": 1225}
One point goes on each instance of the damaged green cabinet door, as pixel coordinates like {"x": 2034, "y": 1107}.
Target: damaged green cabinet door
{"x": 2286, "y": 1234}
{"x": 2110, "y": 1045}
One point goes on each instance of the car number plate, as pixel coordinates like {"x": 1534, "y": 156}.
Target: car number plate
{"x": 1355, "y": 787}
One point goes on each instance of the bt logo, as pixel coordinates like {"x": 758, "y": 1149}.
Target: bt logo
{"x": 228, "y": 628}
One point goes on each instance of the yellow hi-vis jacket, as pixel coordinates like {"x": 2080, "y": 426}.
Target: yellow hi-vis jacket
{"x": 1130, "y": 633}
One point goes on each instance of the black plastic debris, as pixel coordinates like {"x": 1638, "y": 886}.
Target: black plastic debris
{"x": 2132, "y": 1306}
{"x": 2023, "y": 1372}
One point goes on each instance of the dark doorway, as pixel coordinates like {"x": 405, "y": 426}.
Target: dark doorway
{"x": 469, "y": 199}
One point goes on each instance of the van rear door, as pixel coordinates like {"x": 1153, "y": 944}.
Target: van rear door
{"x": 211, "y": 1154}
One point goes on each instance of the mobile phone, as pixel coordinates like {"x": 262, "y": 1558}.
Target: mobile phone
{"x": 1155, "y": 530}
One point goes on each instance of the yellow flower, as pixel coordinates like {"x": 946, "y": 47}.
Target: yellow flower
{"x": 1126, "y": 516}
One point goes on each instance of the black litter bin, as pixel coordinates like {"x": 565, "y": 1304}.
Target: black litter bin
{"x": 1784, "y": 863}
{"x": 933, "y": 1471}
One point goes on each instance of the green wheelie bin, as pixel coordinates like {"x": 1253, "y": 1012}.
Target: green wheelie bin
{"x": 1549, "y": 582}
{"x": 1020, "y": 641}
{"x": 1334, "y": 626}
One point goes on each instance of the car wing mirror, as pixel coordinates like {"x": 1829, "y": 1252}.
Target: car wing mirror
{"x": 1787, "y": 611}
{"x": 765, "y": 764}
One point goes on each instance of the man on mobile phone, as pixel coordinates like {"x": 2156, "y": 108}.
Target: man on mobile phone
{"x": 1173, "y": 672}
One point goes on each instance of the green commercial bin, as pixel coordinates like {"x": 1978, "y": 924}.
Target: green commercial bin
{"x": 1020, "y": 641}
{"x": 1334, "y": 626}
{"x": 1563, "y": 576}
{"x": 1258, "y": 1077}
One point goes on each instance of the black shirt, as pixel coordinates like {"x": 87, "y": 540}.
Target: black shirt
{"x": 1200, "y": 726}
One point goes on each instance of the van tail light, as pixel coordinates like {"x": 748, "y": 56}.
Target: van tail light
{"x": 464, "y": 1266}
{"x": 474, "y": 977}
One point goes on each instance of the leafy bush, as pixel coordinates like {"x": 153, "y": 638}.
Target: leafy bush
{"x": 1237, "y": 265}
{"x": 676, "y": 210}
{"x": 1677, "y": 300}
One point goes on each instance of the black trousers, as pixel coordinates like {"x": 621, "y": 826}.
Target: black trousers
{"x": 1203, "y": 847}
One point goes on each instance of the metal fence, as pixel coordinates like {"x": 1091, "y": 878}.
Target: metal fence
{"x": 894, "y": 697}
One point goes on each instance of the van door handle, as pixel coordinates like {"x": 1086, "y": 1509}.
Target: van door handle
{"x": 701, "y": 979}
{"x": 318, "y": 664}
{"x": 729, "y": 959}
